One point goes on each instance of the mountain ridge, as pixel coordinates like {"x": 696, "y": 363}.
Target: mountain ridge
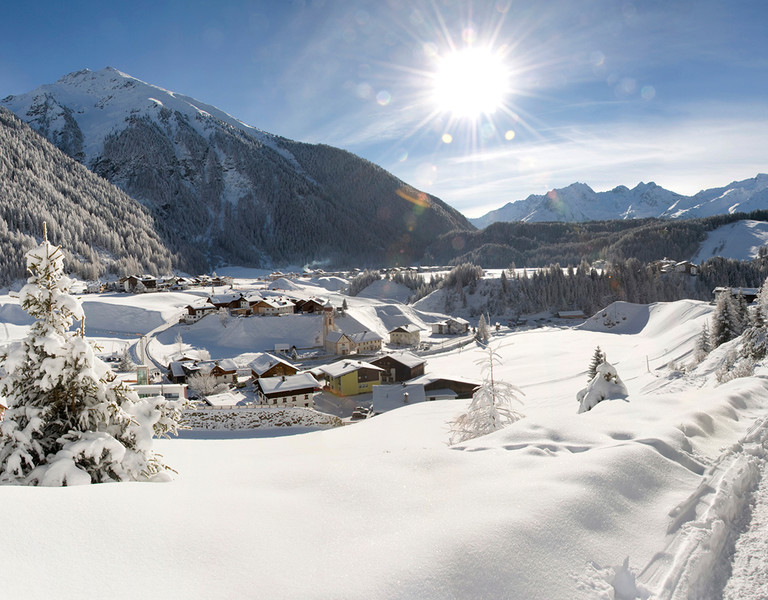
{"x": 236, "y": 193}
{"x": 578, "y": 202}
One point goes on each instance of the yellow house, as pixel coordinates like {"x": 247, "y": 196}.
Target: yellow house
{"x": 351, "y": 377}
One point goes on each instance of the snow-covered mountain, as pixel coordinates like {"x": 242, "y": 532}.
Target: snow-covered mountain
{"x": 237, "y": 193}
{"x": 579, "y": 202}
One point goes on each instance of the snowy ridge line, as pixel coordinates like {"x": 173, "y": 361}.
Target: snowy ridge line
{"x": 696, "y": 562}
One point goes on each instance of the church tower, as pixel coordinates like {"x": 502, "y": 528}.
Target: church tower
{"x": 328, "y": 324}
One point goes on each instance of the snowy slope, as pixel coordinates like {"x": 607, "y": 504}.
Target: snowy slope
{"x": 548, "y": 508}
{"x": 578, "y": 202}
{"x": 739, "y": 241}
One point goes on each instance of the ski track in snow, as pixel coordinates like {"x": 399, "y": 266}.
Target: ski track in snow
{"x": 749, "y": 579}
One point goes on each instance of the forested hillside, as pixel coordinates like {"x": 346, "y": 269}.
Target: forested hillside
{"x": 542, "y": 244}
{"x": 102, "y": 229}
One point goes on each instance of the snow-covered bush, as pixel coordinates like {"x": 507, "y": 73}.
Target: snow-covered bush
{"x": 490, "y": 409}
{"x": 606, "y": 385}
{"x": 69, "y": 421}
{"x": 206, "y": 384}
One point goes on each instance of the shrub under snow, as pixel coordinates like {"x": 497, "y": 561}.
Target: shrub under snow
{"x": 605, "y": 385}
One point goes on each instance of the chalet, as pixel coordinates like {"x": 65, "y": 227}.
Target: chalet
{"x": 134, "y": 284}
{"x": 233, "y": 302}
{"x": 311, "y": 305}
{"x": 195, "y": 313}
{"x": 687, "y": 267}
{"x": 224, "y": 371}
{"x": 273, "y": 306}
{"x": 433, "y": 384}
{"x": 288, "y": 390}
{"x": 400, "y": 366}
{"x": 451, "y": 326}
{"x": 268, "y": 365}
{"x": 337, "y": 342}
{"x": 351, "y": 377}
{"x": 176, "y": 372}
{"x": 365, "y": 341}
{"x": 405, "y": 335}
{"x": 749, "y": 294}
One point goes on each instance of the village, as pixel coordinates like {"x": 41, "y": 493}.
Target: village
{"x": 311, "y": 350}
{"x": 327, "y": 362}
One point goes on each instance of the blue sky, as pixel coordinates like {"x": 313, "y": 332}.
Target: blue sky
{"x": 604, "y": 92}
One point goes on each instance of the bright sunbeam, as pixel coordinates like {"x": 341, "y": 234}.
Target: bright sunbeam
{"x": 471, "y": 82}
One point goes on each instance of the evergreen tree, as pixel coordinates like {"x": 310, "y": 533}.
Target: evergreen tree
{"x": 483, "y": 330}
{"x": 598, "y": 358}
{"x": 726, "y": 324}
{"x": 69, "y": 421}
{"x": 703, "y": 344}
{"x": 491, "y": 406}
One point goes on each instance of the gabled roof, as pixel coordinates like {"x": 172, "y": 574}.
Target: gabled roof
{"x": 364, "y": 336}
{"x": 287, "y": 384}
{"x": 265, "y": 361}
{"x": 342, "y": 367}
{"x": 408, "y": 359}
{"x": 225, "y": 298}
{"x": 335, "y": 336}
{"x": 409, "y": 328}
{"x": 177, "y": 370}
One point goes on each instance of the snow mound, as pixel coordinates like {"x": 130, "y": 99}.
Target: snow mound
{"x": 628, "y": 318}
{"x": 332, "y": 284}
{"x": 283, "y": 284}
{"x": 383, "y": 289}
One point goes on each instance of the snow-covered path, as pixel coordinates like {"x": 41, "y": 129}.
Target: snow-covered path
{"x": 749, "y": 578}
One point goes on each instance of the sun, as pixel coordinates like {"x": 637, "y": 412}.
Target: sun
{"x": 470, "y": 82}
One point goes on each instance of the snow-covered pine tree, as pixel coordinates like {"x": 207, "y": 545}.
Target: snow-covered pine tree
{"x": 726, "y": 324}
{"x": 598, "y": 358}
{"x": 69, "y": 421}
{"x": 491, "y": 406}
{"x": 703, "y": 344}
{"x": 483, "y": 330}
{"x": 754, "y": 342}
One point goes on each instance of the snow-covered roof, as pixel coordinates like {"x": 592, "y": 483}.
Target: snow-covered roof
{"x": 428, "y": 378}
{"x": 225, "y": 298}
{"x": 225, "y": 399}
{"x": 287, "y": 384}
{"x": 364, "y": 336}
{"x": 409, "y": 359}
{"x": 177, "y": 369}
{"x": 342, "y": 367}
{"x": 335, "y": 336}
{"x": 389, "y": 397}
{"x": 265, "y": 361}
{"x": 409, "y": 328}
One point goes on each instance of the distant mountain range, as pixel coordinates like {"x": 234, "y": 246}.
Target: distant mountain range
{"x": 221, "y": 190}
{"x": 578, "y": 203}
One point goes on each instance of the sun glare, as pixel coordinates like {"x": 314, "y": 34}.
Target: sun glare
{"x": 470, "y": 82}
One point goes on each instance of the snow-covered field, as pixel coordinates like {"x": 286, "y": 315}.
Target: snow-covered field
{"x": 636, "y": 498}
